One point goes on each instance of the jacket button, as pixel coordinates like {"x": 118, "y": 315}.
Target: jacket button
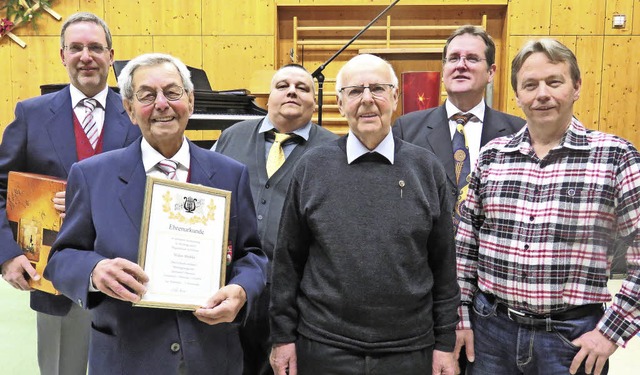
{"x": 80, "y": 302}
{"x": 175, "y": 347}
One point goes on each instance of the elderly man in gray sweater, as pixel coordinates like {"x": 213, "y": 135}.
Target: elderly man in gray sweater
{"x": 364, "y": 276}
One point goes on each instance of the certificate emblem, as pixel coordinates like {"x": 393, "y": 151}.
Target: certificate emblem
{"x": 190, "y": 204}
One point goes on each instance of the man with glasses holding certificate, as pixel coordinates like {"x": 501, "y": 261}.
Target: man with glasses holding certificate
{"x": 94, "y": 257}
{"x": 48, "y": 135}
{"x": 364, "y": 274}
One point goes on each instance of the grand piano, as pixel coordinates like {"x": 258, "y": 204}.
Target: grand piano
{"x": 213, "y": 112}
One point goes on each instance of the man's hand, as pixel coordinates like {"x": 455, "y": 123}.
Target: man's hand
{"x": 595, "y": 349}
{"x": 223, "y": 306}
{"x": 464, "y": 338}
{"x": 58, "y": 203}
{"x": 283, "y": 359}
{"x": 444, "y": 363}
{"x": 120, "y": 278}
{"x": 13, "y": 271}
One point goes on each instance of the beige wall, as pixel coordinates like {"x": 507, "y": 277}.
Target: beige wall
{"x": 233, "y": 41}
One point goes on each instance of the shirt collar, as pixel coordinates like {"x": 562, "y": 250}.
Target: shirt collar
{"x": 355, "y": 148}
{"x": 575, "y": 138}
{"x": 477, "y": 111}
{"x": 151, "y": 156}
{"x": 77, "y": 96}
{"x": 303, "y": 132}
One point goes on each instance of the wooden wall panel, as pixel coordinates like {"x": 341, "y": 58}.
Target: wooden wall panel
{"x": 620, "y": 7}
{"x": 230, "y": 60}
{"x": 38, "y": 64}
{"x": 588, "y": 51}
{"x": 187, "y": 48}
{"x": 244, "y": 17}
{"x": 620, "y": 105}
{"x": 590, "y": 13}
{"x": 161, "y": 17}
{"x": 6, "y": 93}
{"x": 126, "y": 48}
{"x": 529, "y": 17}
{"x": 636, "y": 18}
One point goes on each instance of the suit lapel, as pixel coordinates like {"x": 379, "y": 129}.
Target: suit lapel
{"x": 201, "y": 169}
{"x": 492, "y": 126}
{"x": 59, "y": 126}
{"x": 116, "y": 123}
{"x": 439, "y": 138}
{"x": 132, "y": 174}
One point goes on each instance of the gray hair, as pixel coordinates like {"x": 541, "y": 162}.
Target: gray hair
{"x": 125, "y": 79}
{"x": 364, "y": 60}
{"x": 85, "y": 17}
{"x": 554, "y": 50}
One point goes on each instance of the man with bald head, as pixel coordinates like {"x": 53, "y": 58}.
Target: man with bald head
{"x": 364, "y": 277}
{"x": 290, "y": 107}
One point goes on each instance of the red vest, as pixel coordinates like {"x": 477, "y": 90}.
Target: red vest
{"x": 83, "y": 147}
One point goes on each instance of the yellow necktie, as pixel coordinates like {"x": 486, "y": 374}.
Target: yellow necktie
{"x": 275, "y": 159}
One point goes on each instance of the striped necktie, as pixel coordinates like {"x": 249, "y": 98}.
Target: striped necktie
{"x": 168, "y": 167}
{"x": 462, "y": 163}
{"x": 89, "y": 123}
{"x": 275, "y": 159}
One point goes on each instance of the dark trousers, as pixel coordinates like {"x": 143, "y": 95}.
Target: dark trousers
{"x": 317, "y": 358}
{"x": 254, "y": 337}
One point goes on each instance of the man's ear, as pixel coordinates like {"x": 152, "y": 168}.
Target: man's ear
{"x": 128, "y": 106}
{"x": 340, "y": 106}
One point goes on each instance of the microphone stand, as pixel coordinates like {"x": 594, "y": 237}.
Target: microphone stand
{"x": 317, "y": 74}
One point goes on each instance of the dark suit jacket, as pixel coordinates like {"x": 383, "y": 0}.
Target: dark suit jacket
{"x": 41, "y": 140}
{"x": 430, "y": 129}
{"x": 243, "y": 143}
{"x": 105, "y": 197}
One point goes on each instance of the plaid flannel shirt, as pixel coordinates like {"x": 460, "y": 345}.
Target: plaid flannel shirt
{"x": 539, "y": 234}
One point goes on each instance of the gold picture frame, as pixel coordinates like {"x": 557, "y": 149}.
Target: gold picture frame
{"x": 183, "y": 243}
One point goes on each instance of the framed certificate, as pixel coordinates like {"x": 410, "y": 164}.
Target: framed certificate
{"x": 183, "y": 243}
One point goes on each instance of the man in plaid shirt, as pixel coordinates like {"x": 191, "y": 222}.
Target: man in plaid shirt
{"x": 545, "y": 210}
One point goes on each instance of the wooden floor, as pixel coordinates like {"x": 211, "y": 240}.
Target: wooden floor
{"x": 18, "y": 337}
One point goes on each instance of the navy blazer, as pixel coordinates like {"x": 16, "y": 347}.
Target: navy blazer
{"x": 429, "y": 128}
{"x": 41, "y": 140}
{"x": 105, "y": 197}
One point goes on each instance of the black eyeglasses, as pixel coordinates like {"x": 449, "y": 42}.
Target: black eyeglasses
{"x": 94, "y": 49}
{"x": 147, "y": 96}
{"x": 378, "y": 90}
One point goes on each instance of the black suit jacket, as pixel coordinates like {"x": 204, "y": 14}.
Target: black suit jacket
{"x": 430, "y": 129}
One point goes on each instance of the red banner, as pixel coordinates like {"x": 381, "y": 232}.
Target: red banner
{"x": 420, "y": 90}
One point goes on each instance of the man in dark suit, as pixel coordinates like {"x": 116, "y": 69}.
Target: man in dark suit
{"x": 290, "y": 107}
{"x": 47, "y": 137}
{"x": 468, "y": 66}
{"x": 94, "y": 258}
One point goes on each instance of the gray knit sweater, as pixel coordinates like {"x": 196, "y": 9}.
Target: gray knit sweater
{"x": 365, "y": 256}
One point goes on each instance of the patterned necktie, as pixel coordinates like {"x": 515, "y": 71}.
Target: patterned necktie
{"x": 89, "y": 123}
{"x": 275, "y": 159}
{"x": 168, "y": 167}
{"x": 463, "y": 165}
